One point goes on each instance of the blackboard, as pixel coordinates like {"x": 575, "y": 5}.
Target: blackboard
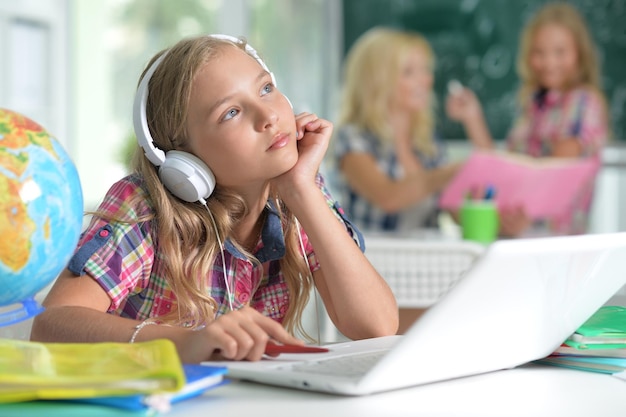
{"x": 476, "y": 42}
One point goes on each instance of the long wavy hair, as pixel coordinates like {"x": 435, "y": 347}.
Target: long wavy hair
{"x": 187, "y": 243}
{"x": 568, "y": 17}
{"x": 372, "y": 69}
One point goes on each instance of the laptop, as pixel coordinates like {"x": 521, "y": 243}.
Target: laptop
{"x": 518, "y": 303}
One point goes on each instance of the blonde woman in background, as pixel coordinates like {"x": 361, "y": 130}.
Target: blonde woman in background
{"x": 562, "y": 110}
{"x": 390, "y": 163}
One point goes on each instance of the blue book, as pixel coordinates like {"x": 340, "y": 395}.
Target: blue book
{"x": 199, "y": 378}
{"x": 69, "y": 408}
{"x": 587, "y": 363}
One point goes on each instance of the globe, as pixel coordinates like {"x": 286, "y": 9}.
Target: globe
{"x": 41, "y": 210}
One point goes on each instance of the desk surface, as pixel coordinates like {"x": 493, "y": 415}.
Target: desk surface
{"x": 532, "y": 390}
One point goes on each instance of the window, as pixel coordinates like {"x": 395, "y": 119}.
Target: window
{"x": 33, "y": 74}
{"x": 114, "y": 40}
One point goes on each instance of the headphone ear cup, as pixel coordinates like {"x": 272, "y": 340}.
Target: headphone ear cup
{"x": 186, "y": 176}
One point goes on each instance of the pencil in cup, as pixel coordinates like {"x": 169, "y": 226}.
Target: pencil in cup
{"x": 479, "y": 218}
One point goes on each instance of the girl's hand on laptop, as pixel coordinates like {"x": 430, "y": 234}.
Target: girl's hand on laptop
{"x": 237, "y": 335}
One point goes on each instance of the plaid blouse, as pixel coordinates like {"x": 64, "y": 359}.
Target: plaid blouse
{"x": 553, "y": 116}
{"x": 349, "y": 139}
{"x": 123, "y": 259}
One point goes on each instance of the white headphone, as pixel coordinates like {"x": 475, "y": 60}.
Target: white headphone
{"x": 185, "y": 175}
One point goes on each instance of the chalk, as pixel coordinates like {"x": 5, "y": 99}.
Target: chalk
{"x": 455, "y": 87}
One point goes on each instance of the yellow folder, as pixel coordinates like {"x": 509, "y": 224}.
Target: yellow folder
{"x": 31, "y": 370}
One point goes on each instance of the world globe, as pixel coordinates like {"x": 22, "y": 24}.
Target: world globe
{"x": 41, "y": 209}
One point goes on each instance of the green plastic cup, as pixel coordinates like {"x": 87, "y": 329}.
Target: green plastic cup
{"x": 479, "y": 221}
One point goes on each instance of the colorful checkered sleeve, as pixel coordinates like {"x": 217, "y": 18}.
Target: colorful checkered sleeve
{"x": 123, "y": 263}
{"x": 339, "y": 213}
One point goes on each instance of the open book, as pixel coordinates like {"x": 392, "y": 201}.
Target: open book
{"x": 546, "y": 188}
{"x": 31, "y": 370}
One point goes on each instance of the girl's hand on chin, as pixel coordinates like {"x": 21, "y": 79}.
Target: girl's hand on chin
{"x": 313, "y": 135}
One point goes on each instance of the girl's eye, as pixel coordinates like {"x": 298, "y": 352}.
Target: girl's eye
{"x": 230, "y": 114}
{"x": 268, "y": 88}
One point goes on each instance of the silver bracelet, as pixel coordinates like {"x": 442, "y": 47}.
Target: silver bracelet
{"x": 138, "y": 328}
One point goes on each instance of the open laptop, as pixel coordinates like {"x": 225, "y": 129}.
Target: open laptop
{"x": 518, "y": 303}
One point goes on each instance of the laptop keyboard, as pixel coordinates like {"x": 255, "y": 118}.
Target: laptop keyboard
{"x": 347, "y": 366}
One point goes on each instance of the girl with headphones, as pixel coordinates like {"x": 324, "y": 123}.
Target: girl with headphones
{"x": 219, "y": 260}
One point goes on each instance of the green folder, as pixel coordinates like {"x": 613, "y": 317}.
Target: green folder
{"x": 605, "y": 329}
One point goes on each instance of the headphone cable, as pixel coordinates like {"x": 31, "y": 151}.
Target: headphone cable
{"x": 229, "y": 293}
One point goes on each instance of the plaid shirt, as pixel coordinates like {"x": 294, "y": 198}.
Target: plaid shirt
{"x": 351, "y": 139}
{"x": 123, "y": 259}
{"x": 553, "y": 116}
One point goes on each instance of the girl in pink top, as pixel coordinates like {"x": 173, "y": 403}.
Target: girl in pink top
{"x": 563, "y": 111}
{"x": 224, "y": 227}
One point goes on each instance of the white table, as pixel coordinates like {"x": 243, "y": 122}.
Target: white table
{"x": 532, "y": 390}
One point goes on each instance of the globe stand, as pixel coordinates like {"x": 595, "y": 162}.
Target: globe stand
{"x": 28, "y": 308}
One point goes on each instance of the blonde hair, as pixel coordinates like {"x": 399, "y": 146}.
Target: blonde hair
{"x": 566, "y": 16}
{"x": 187, "y": 242}
{"x": 371, "y": 72}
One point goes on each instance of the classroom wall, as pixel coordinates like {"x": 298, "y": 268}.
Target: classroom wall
{"x": 33, "y": 74}
{"x": 476, "y": 42}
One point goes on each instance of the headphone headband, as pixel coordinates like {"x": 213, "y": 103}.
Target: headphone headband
{"x": 140, "y": 120}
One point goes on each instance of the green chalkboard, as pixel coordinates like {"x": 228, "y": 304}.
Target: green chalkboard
{"x": 476, "y": 42}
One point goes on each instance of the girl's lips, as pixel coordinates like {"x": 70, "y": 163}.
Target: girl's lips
{"x": 279, "y": 141}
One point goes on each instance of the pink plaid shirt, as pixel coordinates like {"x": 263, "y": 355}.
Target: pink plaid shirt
{"x": 122, "y": 258}
{"x": 553, "y": 116}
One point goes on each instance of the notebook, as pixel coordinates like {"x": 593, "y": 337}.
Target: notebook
{"x": 198, "y": 379}
{"x": 544, "y": 187}
{"x": 518, "y": 303}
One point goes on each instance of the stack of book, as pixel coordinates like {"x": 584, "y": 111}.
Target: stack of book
{"x": 599, "y": 344}
{"x": 109, "y": 379}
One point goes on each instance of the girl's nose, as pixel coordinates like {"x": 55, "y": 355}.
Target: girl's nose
{"x": 267, "y": 117}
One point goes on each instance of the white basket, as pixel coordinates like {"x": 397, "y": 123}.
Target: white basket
{"x": 419, "y": 272}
